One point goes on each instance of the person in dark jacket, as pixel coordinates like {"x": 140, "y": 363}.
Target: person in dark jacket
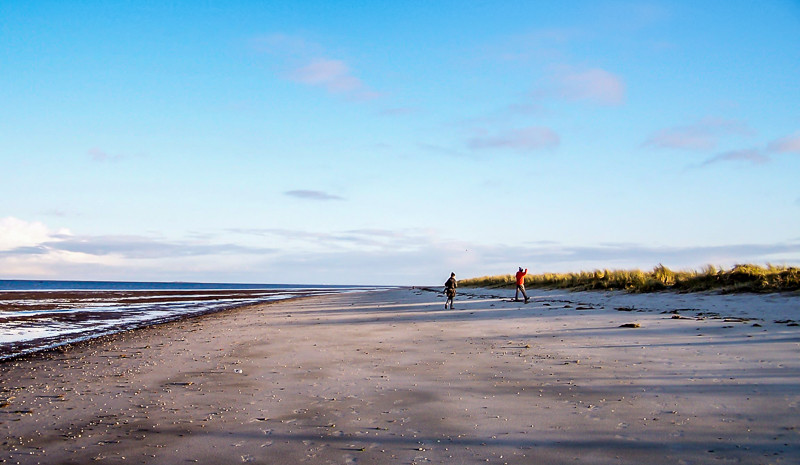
{"x": 450, "y": 290}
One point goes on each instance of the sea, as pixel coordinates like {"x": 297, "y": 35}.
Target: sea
{"x": 37, "y": 315}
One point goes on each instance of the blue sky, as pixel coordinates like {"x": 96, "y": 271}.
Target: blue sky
{"x": 394, "y": 142}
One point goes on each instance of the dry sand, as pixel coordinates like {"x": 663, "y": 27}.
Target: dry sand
{"x": 391, "y": 377}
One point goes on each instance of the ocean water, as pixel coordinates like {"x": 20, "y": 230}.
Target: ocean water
{"x": 52, "y": 285}
{"x": 38, "y": 315}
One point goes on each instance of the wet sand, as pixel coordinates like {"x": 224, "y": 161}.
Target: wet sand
{"x": 33, "y": 320}
{"x": 392, "y": 377}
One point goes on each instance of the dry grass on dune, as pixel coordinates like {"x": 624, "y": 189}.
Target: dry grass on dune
{"x": 740, "y": 278}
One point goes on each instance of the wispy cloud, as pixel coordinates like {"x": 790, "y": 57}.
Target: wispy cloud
{"x": 57, "y": 212}
{"x": 428, "y": 258}
{"x": 701, "y": 136}
{"x": 562, "y": 258}
{"x": 307, "y": 63}
{"x": 789, "y": 144}
{"x": 641, "y": 255}
{"x": 399, "y": 111}
{"x": 532, "y": 47}
{"x": 505, "y": 115}
{"x": 312, "y": 195}
{"x": 368, "y": 256}
{"x": 759, "y": 156}
{"x": 285, "y": 45}
{"x": 100, "y": 156}
{"x": 359, "y": 238}
{"x": 630, "y": 17}
{"x": 441, "y": 150}
{"x": 332, "y": 75}
{"x": 141, "y": 247}
{"x": 753, "y": 156}
{"x": 526, "y": 139}
{"x": 594, "y": 85}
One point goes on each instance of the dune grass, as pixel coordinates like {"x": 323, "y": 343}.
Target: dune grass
{"x": 740, "y": 278}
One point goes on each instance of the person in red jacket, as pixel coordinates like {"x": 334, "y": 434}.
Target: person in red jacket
{"x": 521, "y": 285}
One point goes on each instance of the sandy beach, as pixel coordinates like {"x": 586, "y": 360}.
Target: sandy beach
{"x": 393, "y": 377}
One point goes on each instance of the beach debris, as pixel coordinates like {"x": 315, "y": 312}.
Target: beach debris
{"x": 107, "y": 442}
{"x": 630, "y": 325}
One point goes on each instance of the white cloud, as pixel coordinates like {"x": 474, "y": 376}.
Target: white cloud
{"x": 358, "y": 256}
{"x": 31, "y": 249}
{"x": 16, "y": 233}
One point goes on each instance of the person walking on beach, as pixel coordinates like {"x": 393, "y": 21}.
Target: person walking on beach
{"x": 521, "y": 285}
{"x": 450, "y": 290}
